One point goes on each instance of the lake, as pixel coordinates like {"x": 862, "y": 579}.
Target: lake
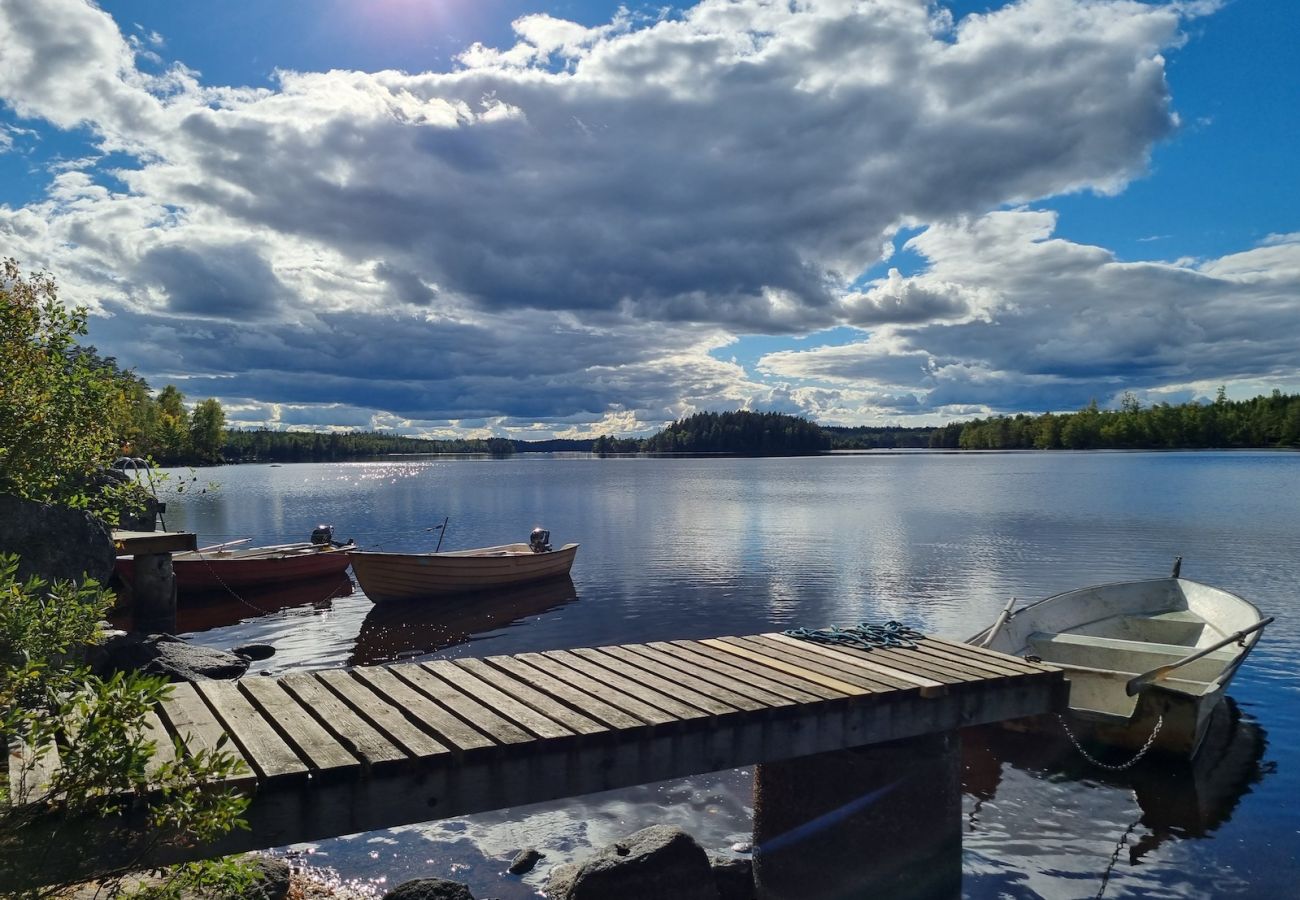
{"x": 700, "y": 547}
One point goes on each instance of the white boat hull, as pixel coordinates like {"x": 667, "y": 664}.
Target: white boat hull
{"x": 1106, "y": 635}
{"x": 387, "y": 577}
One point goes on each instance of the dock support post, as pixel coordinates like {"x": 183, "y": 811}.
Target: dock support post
{"x": 154, "y": 594}
{"x": 876, "y": 821}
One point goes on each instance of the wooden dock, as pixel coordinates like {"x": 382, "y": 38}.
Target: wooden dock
{"x": 342, "y": 751}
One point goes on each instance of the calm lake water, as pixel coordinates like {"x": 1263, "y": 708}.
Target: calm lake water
{"x": 694, "y": 548}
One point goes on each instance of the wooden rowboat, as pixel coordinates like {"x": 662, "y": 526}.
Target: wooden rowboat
{"x": 1137, "y": 653}
{"x": 208, "y": 571}
{"x": 408, "y": 576}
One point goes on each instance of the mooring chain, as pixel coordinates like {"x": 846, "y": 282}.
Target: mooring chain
{"x": 229, "y": 590}
{"x": 864, "y": 635}
{"x": 1160, "y": 720}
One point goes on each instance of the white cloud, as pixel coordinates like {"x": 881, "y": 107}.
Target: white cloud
{"x": 565, "y": 229}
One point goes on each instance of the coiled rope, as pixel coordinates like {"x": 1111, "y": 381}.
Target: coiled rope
{"x": 864, "y": 635}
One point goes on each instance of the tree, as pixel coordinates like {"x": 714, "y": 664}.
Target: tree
{"x": 207, "y": 424}
{"x": 61, "y": 415}
{"x": 64, "y": 414}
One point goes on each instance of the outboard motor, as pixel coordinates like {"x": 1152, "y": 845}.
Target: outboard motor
{"x": 323, "y": 535}
{"x": 540, "y": 540}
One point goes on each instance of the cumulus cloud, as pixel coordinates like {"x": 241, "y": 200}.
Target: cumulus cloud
{"x": 1070, "y": 323}
{"x": 566, "y": 229}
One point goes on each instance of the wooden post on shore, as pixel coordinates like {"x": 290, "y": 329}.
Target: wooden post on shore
{"x": 877, "y": 821}
{"x": 154, "y": 598}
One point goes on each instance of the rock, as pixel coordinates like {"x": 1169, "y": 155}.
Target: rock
{"x": 657, "y": 862}
{"x": 272, "y": 875}
{"x": 429, "y": 889}
{"x": 163, "y": 654}
{"x": 525, "y": 861}
{"x": 55, "y": 543}
{"x": 254, "y": 651}
{"x": 734, "y": 877}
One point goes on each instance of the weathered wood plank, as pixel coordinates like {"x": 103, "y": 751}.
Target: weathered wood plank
{"x": 164, "y": 751}
{"x": 263, "y": 747}
{"x": 307, "y": 736}
{"x": 707, "y": 660}
{"x": 608, "y": 658}
{"x": 528, "y": 696}
{"x": 601, "y": 689}
{"x": 811, "y": 689}
{"x": 892, "y": 675}
{"x": 978, "y": 667}
{"x": 475, "y": 718}
{"x": 726, "y": 690}
{"x": 566, "y": 693}
{"x": 1012, "y": 662}
{"x": 198, "y": 728}
{"x": 357, "y": 735}
{"x": 388, "y": 713}
{"x": 631, "y": 687}
{"x": 31, "y": 773}
{"x": 826, "y": 660}
{"x": 520, "y": 715}
{"x": 835, "y": 684}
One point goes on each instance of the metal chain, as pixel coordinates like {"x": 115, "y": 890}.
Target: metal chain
{"x": 229, "y": 590}
{"x": 1160, "y": 720}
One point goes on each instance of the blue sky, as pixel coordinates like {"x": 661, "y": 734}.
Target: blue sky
{"x": 478, "y": 217}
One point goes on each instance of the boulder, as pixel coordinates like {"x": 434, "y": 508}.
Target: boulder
{"x": 657, "y": 862}
{"x": 429, "y": 889}
{"x": 272, "y": 876}
{"x": 163, "y": 654}
{"x": 525, "y": 860}
{"x": 254, "y": 651}
{"x": 733, "y": 876}
{"x": 54, "y": 542}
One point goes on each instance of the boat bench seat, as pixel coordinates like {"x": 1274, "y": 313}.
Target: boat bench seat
{"x": 1120, "y": 655}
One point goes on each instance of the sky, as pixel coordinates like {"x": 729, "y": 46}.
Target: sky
{"x": 473, "y": 218}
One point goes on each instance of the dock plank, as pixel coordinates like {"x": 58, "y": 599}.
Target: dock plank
{"x": 618, "y": 664}
{"x": 530, "y": 697}
{"x": 706, "y": 660}
{"x": 356, "y": 735}
{"x": 164, "y": 751}
{"x": 892, "y": 676}
{"x": 263, "y": 747}
{"x": 811, "y": 690}
{"x": 307, "y": 736}
{"x": 520, "y": 716}
{"x": 475, "y": 718}
{"x": 562, "y": 690}
{"x": 850, "y": 666}
{"x": 392, "y": 707}
{"x": 603, "y": 689}
{"x": 661, "y": 664}
{"x": 31, "y": 773}
{"x": 194, "y": 723}
{"x": 838, "y": 685}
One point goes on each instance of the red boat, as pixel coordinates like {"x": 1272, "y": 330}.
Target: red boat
{"x": 222, "y": 567}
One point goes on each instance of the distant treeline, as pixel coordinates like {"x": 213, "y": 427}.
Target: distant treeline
{"x": 264, "y": 445}
{"x": 766, "y": 434}
{"x": 1272, "y": 421}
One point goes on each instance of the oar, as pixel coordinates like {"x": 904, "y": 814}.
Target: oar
{"x": 1136, "y": 684}
{"x": 223, "y": 546}
{"x": 997, "y": 626}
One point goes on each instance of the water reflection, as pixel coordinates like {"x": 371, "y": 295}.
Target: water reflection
{"x": 1178, "y": 798}
{"x": 207, "y": 611}
{"x": 404, "y": 630}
